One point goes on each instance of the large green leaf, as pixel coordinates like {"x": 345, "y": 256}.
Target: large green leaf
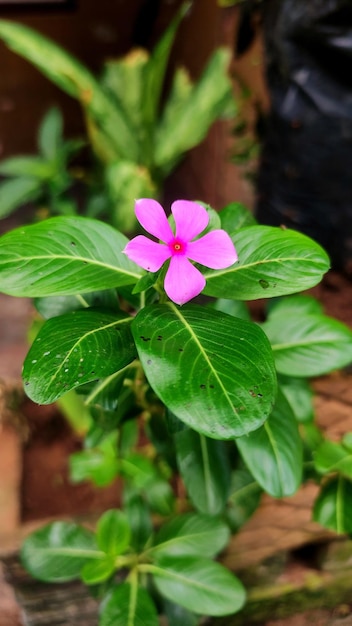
{"x": 74, "y": 349}
{"x": 205, "y": 471}
{"x": 215, "y": 372}
{"x": 58, "y": 551}
{"x": 193, "y": 535}
{"x": 16, "y": 192}
{"x": 271, "y": 262}
{"x": 333, "y": 506}
{"x": 308, "y": 345}
{"x": 273, "y": 453}
{"x": 128, "y": 606}
{"x": 75, "y": 79}
{"x": 64, "y": 256}
{"x": 198, "y": 584}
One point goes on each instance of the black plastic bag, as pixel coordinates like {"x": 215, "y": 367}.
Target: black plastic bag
{"x": 305, "y": 173}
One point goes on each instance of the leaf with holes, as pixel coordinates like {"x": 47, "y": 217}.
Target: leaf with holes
{"x": 215, "y": 372}
{"x": 64, "y": 256}
{"x": 74, "y": 349}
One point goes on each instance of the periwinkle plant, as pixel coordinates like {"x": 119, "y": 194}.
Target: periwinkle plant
{"x": 223, "y": 401}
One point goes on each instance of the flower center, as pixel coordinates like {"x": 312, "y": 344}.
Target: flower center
{"x": 177, "y": 247}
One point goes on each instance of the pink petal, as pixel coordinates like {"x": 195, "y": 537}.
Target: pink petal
{"x": 183, "y": 281}
{"x": 190, "y": 219}
{"x": 214, "y": 250}
{"x": 147, "y": 253}
{"x": 152, "y": 217}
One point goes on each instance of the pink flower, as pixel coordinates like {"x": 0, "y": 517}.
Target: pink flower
{"x": 183, "y": 281}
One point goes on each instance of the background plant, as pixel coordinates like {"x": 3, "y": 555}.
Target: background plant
{"x": 195, "y": 446}
{"x": 136, "y": 135}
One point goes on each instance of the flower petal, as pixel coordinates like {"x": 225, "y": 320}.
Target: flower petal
{"x": 190, "y": 219}
{"x": 214, "y": 250}
{"x": 147, "y": 253}
{"x": 183, "y": 281}
{"x": 152, "y": 217}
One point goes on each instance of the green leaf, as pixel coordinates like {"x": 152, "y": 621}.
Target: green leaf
{"x": 308, "y": 345}
{"x": 98, "y": 571}
{"x": 177, "y": 615}
{"x": 160, "y": 496}
{"x": 113, "y": 532}
{"x": 139, "y": 520}
{"x": 98, "y": 464}
{"x": 333, "y": 506}
{"x": 213, "y": 371}
{"x": 57, "y": 552}
{"x": 333, "y": 457}
{"x": 183, "y": 127}
{"x": 191, "y": 534}
{"x": 156, "y": 70}
{"x": 27, "y": 166}
{"x": 126, "y": 181}
{"x": 50, "y": 139}
{"x": 244, "y": 498}
{"x": 205, "y": 471}
{"x": 198, "y": 584}
{"x": 128, "y": 606}
{"x": 53, "y": 306}
{"x": 299, "y": 395}
{"x": 271, "y": 262}
{"x": 74, "y": 349}
{"x": 64, "y": 256}
{"x": 273, "y": 453}
{"x": 139, "y": 469}
{"x": 298, "y": 304}
{"x": 16, "y": 192}
{"x": 235, "y": 216}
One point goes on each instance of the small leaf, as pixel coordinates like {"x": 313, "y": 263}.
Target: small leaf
{"x": 74, "y": 349}
{"x": 128, "y": 606}
{"x": 50, "y": 138}
{"x": 191, "y": 534}
{"x": 139, "y": 520}
{"x": 199, "y": 585}
{"x": 98, "y": 571}
{"x": 333, "y": 457}
{"x": 273, "y": 453}
{"x": 58, "y": 551}
{"x": 204, "y": 468}
{"x": 271, "y": 262}
{"x": 235, "y": 216}
{"x": 244, "y": 498}
{"x": 333, "y": 506}
{"x": 33, "y": 167}
{"x": 17, "y": 192}
{"x": 64, "y": 256}
{"x": 113, "y": 532}
{"x": 160, "y": 496}
{"x": 213, "y": 371}
{"x": 98, "y": 464}
{"x": 299, "y": 395}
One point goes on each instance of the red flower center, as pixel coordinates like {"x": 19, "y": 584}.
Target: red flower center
{"x": 177, "y": 247}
